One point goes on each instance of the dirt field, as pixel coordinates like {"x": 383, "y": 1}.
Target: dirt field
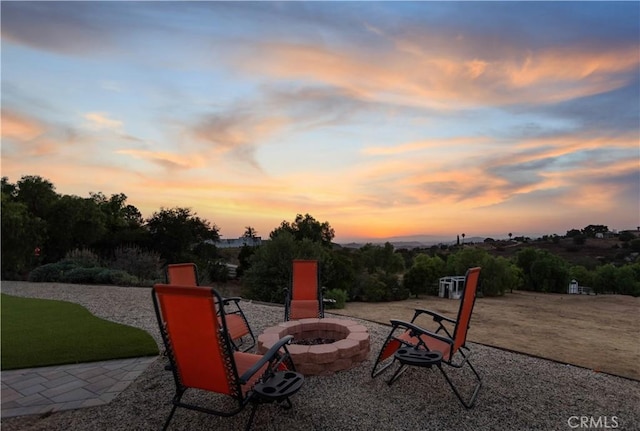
{"x": 598, "y": 332}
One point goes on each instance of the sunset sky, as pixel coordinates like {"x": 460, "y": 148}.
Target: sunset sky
{"x": 382, "y": 118}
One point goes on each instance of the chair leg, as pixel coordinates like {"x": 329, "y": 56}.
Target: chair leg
{"x": 468, "y": 404}
{"x": 166, "y": 424}
{"x": 401, "y": 369}
{"x": 253, "y": 413}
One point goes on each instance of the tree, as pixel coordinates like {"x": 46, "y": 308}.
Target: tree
{"x": 250, "y": 232}
{"x": 22, "y": 233}
{"x": 582, "y": 275}
{"x": 593, "y": 229}
{"x": 307, "y": 227}
{"x": 123, "y": 223}
{"x": 375, "y": 257}
{"x": 524, "y": 260}
{"x": 468, "y": 257}
{"x": 499, "y": 274}
{"x": 549, "y": 273}
{"x": 37, "y": 194}
{"x": 269, "y": 272}
{"x": 424, "y": 272}
{"x": 74, "y": 223}
{"x": 176, "y": 233}
{"x": 605, "y": 279}
{"x": 573, "y": 233}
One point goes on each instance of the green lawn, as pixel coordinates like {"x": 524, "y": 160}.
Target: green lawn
{"x": 39, "y": 332}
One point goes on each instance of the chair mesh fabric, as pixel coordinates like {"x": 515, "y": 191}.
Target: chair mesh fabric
{"x": 305, "y": 280}
{"x": 201, "y": 356}
{"x": 405, "y": 337}
{"x": 183, "y": 274}
{"x": 244, "y": 361}
{"x": 466, "y": 307}
{"x": 304, "y": 309}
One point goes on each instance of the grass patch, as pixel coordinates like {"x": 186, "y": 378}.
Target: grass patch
{"x": 41, "y": 332}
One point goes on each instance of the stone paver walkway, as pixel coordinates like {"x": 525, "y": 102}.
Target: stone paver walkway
{"x": 63, "y": 387}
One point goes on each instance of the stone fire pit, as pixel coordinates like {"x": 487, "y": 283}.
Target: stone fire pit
{"x": 351, "y": 345}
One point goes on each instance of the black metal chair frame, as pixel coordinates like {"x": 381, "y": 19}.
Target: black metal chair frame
{"x": 417, "y": 353}
{"x": 273, "y": 386}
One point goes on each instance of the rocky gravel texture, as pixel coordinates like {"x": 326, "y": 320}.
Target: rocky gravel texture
{"x": 519, "y": 392}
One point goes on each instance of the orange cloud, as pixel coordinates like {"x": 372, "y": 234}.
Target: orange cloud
{"x": 444, "y": 78}
{"x": 20, "y": 127}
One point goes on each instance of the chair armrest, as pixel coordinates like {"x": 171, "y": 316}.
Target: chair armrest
{"x": 437, "y": 317}
{"x": 267, "y": 357}
{"x": 235, "y": 299}
{"x": 419, "y": 330}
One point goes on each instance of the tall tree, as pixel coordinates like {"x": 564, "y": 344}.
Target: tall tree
{"x": 22, "y": 233}
{"x": 37, "y": 194}
{"x": 250, "y": 232}
{"x": 594, "y": 229}
{"x": 123, "y": 222}
{"x": 176, "y": 232}
{"x": 74, "y": 222}
{"x": 306, "y": 227}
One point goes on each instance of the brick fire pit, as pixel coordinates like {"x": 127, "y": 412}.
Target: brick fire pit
{"x": 350, "y": 348}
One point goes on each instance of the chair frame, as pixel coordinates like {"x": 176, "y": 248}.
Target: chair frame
{"x": 411, "y": 335}
{"x": 289, "y": 294}
{"x": 277, "y": 358}
{"x": 232, "y": 301}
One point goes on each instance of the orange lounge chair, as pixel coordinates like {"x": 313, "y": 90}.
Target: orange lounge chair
{"x": 411, "y": 345}
{"x": 186, "y": 274}
{"x": 205, "y": 358}
{"x": 304, "y": 299}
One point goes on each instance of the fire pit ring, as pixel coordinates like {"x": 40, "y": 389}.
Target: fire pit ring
{"x": 350, "y": 348}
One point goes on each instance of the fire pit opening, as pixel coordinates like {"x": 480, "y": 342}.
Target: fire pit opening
{"x": 320, "y": 346}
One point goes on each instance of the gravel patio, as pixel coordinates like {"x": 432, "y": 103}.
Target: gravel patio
{"x": 519, "y": 393}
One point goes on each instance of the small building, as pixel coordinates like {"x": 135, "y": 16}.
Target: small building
{"x": 237, "y": 243}
{"x": 573, "y": 287}
{"x": 451, "y": 286}
{"x": 576, "y": 289}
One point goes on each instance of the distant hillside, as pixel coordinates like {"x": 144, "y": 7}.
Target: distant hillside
{"x": 419, "y": 241}
{"x": 591, "y": 253}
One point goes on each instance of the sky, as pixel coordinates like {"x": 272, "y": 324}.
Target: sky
{"x": 385, "y": 119}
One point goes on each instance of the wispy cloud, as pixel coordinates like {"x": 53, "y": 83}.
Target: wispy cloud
{"x": 101, "y": 120}
{"x": 382, "y": 118}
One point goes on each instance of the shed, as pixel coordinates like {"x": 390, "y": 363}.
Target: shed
{"x": 451, "y": 286}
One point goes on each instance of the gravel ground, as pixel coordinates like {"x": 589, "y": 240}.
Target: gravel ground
{"x": 519, "y": 392}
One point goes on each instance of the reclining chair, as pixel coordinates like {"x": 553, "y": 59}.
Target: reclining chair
{"x": 304, "y": 299}
{"x": 186, "y": 274}
{"x": 205, "y": 358}
{"x": 411, "y": 345}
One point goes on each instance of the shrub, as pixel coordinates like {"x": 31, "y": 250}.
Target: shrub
{"x": 339, "y": 295}
{"x": 143, "y": 264}
{"x": 81, "y": 275}
{"x": 122, "y": 278}
{"x": 218, "y": 272}
{"x": 48, "y": 272}
{"x": 373, "y": 290}
{"x": 82, "y": 257}
{"x": 51, "y": 272}
{"x": 380, "y": 286}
